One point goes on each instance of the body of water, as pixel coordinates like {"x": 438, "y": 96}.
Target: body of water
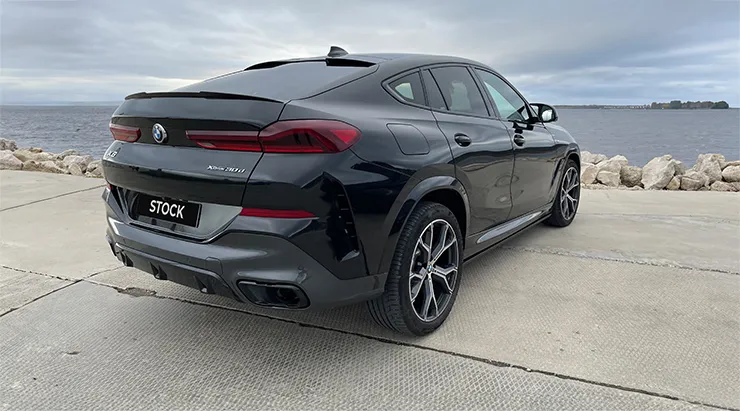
{"x": 639, "y": 135}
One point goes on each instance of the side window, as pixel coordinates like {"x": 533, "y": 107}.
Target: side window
{"x": 459, "y": 90}
{"x": 436, "y": 101}
{"x": 508, "y": 102}
{"x": 409, "y": 88}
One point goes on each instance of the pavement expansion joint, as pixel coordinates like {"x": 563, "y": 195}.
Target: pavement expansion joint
{"x": 137, "y": 292}
{"x": 53, "y": 197}
{"x": 615, "y": 258}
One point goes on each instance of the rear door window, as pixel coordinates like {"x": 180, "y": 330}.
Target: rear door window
{"x": 459, "y": 90}
{"x": 409, "y": 88}
{"x": 282, "y": 82}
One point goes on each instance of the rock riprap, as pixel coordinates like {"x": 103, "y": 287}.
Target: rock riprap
{"x": 712, "y": 172}
{"x": 36, "y": 159}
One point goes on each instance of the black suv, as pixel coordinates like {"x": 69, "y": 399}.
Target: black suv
{"x": 315, "y": 182}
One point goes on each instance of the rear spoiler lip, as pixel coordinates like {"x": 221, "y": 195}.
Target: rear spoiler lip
{"x": 198, "y": 94}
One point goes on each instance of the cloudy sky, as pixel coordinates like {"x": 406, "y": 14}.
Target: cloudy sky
{"x": 557, "y": 51}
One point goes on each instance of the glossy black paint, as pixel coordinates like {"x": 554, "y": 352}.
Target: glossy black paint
{"x": 487, "y": 170}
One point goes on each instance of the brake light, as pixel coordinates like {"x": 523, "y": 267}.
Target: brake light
{"x": 267, "y": 213}
{"x": 124, "y": 133}
{"x": 291, "y": 136}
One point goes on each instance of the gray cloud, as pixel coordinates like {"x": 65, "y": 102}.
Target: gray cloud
{"x": 565, "y": 51}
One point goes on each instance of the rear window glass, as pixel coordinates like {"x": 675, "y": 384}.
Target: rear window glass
{"x": 409, "y": 88}
{"x": 284, "y": 82}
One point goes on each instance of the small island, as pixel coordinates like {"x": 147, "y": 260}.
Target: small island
{"x": 672, "y": 105}
{"x": 678, "y": 104}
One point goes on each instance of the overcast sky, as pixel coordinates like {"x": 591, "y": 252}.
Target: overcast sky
{"x": 555, "y": 51}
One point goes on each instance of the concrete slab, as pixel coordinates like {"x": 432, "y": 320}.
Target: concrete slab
{"x": 18, "y": 288}
{"x": 670, "y": 331}
{"x": 23, "y": 187}
{"x": 63, "y": 236}
{"x": 676, "y": 241}
{"x": 113, "y": 351}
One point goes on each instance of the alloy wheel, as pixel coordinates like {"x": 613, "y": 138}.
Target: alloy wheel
{"x": 434, "y": 269}
{"x": 570, "y": 193}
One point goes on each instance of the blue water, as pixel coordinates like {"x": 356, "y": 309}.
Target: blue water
{"x": 637, "y": 134}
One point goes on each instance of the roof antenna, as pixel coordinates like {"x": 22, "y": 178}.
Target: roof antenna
{"x": 336, "y": 51}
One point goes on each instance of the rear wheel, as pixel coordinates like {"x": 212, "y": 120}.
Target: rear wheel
{"x": 425, "y": 273}
{"x": 569, "y": 195}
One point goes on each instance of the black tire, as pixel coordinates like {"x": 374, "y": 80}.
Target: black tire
{"x": 394, "y": 309}
{"x": 559, "y": 218}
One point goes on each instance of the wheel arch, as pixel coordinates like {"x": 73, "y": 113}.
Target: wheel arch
{"x": 446, "y": 190}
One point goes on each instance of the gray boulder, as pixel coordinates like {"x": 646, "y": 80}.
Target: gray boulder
{"x": 731, "y": 163}
{"x": 8, "y": 161}
{"x": 631, "y": 175}
{"x": 76, "y": 169}
{"x": 9, "y": 145}
{"x": 608, "y": 178}
{"x": 711, "y": 165}
{"x": 66, "y": 153}
{"x": 693, "y": 180}
{"x": 736, "y": 185}
{"x": 590, "y": 158}
{"x": 674, "y": 184}
{"x": 722, "y": 186}
{"x": 614, "y": 166}
{"x": 731, "y": 174}
{"x": 620, "y": 159}
{"x": 658, "y": 172}
{"x": 82, "y": 161}
{"x": 679, "y": 167}
{"x": 38, "y": 156}
{"x": 93, "y": 165}
{"x": 588, "y": 173}
{"x": 48, "y": 166}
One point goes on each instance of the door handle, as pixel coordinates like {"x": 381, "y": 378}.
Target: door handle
{"x": 462, "y": 140}
{"x": 519, "y": 140}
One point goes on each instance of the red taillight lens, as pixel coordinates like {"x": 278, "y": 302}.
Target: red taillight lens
{"x": 292, "y": 136}
{"x": 226, "y": 140}
{"x": 267, "y": 213}
{"x": 308, "y": 136}
{"x": 124, "y": 133}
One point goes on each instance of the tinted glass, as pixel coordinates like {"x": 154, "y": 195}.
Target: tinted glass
{"x": 409, "y": 88}
{"x": 287, "y": 81}
{"x": 508, "y": 102}
{"x": 436, "y": 101}
{"x": 459, "y": 90}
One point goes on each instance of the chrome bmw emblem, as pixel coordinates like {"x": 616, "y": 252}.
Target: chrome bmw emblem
{"x": 159, "y": 133}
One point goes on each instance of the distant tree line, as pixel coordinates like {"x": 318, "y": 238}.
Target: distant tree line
{"x": 678, "y": 104}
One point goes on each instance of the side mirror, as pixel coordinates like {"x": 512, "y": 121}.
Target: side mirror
{"x": 545, "y": 113}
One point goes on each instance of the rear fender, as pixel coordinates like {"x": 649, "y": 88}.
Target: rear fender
{"x": 405, "y": 204}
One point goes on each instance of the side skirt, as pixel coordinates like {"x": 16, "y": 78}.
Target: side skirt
{"x": 504, "y": 232}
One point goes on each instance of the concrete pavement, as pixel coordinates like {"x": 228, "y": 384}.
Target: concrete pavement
{"x": 634, "y": 306}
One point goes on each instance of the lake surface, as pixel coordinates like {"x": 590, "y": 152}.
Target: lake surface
{"x": 639, "y": 135}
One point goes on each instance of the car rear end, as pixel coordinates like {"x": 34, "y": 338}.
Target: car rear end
{"x": 209, "y": 188}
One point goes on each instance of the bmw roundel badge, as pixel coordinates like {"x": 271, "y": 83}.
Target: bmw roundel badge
{"x": 159, "y": 133}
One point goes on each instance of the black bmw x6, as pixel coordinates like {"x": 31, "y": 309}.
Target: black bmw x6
{"x": 315, "y": 182}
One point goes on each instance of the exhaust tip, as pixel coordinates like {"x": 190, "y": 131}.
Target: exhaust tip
{"x": 274, "y": 295}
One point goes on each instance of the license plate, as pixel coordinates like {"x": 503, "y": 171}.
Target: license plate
{"x": 169, "y": 210}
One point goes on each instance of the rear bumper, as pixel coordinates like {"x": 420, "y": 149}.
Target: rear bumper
{"x": 245, "y": 266}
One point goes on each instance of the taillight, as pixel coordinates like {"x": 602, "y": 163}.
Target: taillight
{"x": 291, "y": 136}
{"x": 226, "y": 140}
{"x": 124, "y": 133}
{"x": 267, "y": 213}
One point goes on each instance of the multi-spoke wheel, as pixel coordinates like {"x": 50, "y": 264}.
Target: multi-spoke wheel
{"x": 566, "y": 202}
{"x": 433, "y": 270}
{"x": 425, "y": 273}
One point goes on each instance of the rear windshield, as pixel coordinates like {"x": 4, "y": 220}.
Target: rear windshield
{"x": 284, "y": 82}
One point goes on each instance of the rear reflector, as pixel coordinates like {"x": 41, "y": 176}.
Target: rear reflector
{"x": 292, "y": 136}
{"x": 266, "y": 213}
{"x": 124, "y": 133}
